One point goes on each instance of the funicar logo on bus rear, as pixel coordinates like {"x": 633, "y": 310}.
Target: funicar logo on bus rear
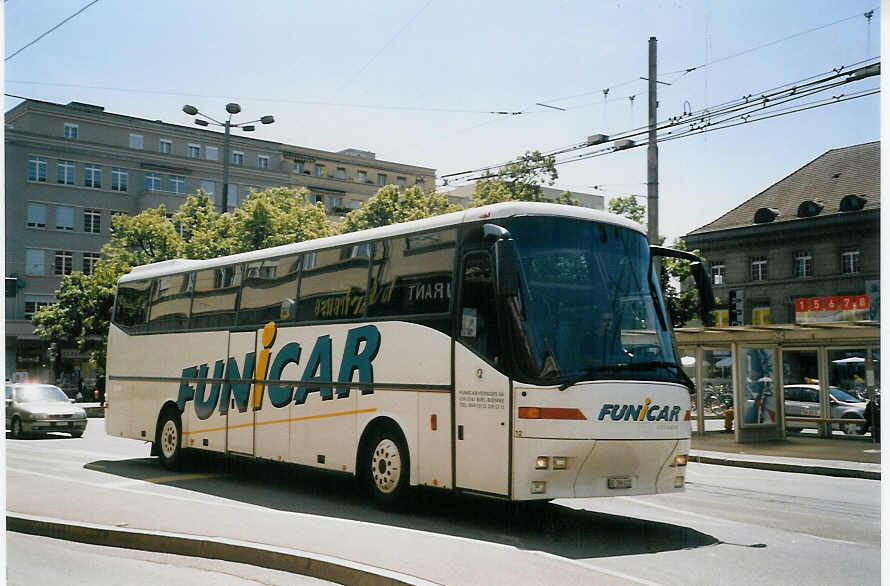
{"x": 648, "y": 411}
{"x": 229, "y": 381}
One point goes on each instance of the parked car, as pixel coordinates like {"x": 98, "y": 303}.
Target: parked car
{"x": 803, "y": 401}
{"x": 33, "y": 409}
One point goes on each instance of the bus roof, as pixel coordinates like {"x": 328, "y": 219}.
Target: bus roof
{"x": 494, "y": 211}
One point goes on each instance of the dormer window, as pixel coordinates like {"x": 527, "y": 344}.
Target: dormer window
{"x": 852, "y": 203}
{"x": 765, "y": 215}
{"x": 809, "y": 208}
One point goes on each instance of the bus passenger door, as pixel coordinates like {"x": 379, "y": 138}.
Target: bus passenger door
{"x": 240, "y": 424}
{"x": 481, "y": 394}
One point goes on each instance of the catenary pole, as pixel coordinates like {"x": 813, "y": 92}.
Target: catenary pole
{"x": 652, "y": 150}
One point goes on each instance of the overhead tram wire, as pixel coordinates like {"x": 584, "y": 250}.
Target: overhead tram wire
{"x": 8, "y": 57}
{"x": 749, "y": 113}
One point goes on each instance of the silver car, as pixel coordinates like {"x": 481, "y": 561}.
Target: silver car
{"x": 803, "y": 401}
{"x": 34, "y": 409}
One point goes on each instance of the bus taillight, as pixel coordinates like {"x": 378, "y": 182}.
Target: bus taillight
{"x": 551, "y": 413}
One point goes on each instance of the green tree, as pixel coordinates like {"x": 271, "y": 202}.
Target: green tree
{"x": 390, "y": 205}
{"x": 520, "y": 180}
{"x": 628, "y": 207}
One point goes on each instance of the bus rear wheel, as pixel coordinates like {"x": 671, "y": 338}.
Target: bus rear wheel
{"x": 169, "y": 439}
{"x": 386, "y": 466}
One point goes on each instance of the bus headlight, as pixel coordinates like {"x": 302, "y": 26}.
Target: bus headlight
{"x": 542, "y": 463}
{"x": 560, "y": 462}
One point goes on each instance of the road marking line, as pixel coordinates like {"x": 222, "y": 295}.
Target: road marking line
{"x": 180, "y": 478}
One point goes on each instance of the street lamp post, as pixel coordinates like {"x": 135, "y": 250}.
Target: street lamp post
{"x": 232, "y": 108}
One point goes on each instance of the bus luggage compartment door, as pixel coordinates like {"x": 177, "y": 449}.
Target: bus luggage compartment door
{"x": 481, "y": 424}
{"x": 240, "y": 416}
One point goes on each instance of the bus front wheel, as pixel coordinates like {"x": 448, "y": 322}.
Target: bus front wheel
{"x": 169, "y": 440}
{"x": 386, "y": 466}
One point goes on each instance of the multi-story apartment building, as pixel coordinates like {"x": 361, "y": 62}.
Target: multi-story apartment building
{"x": 463, "y": 194}
{"x": 69, "y": 168}
{"x": 805, "y": 249}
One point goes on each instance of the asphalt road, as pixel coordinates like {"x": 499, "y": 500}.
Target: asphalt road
{"x": 731, "y": 526}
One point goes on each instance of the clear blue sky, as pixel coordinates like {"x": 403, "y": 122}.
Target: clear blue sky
{"x": 412, "y": 77}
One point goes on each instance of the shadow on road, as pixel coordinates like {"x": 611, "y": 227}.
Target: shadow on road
{"x": 552, "y": 528}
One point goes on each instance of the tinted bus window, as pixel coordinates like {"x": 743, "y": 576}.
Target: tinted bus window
{"x": 216, "y": 293}
{"x": 269, "y": 292}
{"x": 170, "y": 301}
{"x": 333, "y": 283}
{"x": 131, "y": 307}
{"x": 412, "y": 275}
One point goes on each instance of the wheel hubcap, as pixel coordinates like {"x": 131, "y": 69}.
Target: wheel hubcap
{"x": 386, "y": 466}
{"x": 168, "y": 439}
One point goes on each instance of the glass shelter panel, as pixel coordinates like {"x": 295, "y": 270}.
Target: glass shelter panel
{"x": 687, "y": 362}
{"x": 717, "y": 391}
{"x": 800, "y": 369}
{"x": 846, "y": 372}
{"x": 758, "y": 376}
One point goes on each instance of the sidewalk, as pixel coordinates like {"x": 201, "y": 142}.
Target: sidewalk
{"x": 839, "y": 456}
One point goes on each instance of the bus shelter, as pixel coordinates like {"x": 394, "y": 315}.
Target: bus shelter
{"x": 764, "y": 382}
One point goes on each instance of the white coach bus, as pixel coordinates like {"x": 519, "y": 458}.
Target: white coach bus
{"x": 519, "y": 350}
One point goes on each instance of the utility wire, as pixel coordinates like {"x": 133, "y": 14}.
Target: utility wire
{"x": 383, "y": 48}
{"x": 50, "y": 30}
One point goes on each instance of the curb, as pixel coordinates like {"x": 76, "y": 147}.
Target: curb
{"x": 788, "y": 467}
{"x": 270, "y": 557}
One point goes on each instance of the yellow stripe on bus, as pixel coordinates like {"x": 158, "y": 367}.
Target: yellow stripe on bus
{"x": 292, "y": 419}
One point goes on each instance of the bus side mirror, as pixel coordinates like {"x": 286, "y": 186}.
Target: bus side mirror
{"x": 702, "y": 277}
{"x": 506, "y": 270}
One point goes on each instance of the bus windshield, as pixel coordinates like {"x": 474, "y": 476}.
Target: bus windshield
{"x": 589, "y": 307}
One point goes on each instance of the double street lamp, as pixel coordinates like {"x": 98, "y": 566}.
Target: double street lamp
{"x": 232, "y": 108}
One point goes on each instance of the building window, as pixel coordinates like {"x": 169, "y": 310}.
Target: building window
{"x": 165, "y": 146}
{"x": 319, "y": 170}
{"x": 89, "y": 262}
{"x": 211, "y": 153}
{"x": 317, "y": 198}
{"x": 361, "y": 177}
{"x": 758, "y": 268}
{"x": 209, "y": 187}
{"x": 34, "y": 262}
{"x": 298, "y": 167}
{"x": 400, "y": 181}
{"x": 718, "y": 273}
{"x": 335, "y": 204}
{"x": 65, "y": 172}
{"x": 177, "y": 183}
{"x": 152, "y": 182}
{"x": 237, "y": 158}
{"x": 64, "y": 218}
{"x": 92, "y": 222}
{"x": 341, "y": 173}
{"x": 721, "y": 318}
{"x": 92, "y": 175}
{"x": 355, "y": 204}
{"x": 63, "y": 262}
{"x": 71, "y": 131}
{"x": 36, "y": 215}
{"x": 419, "y": 182}
{"x": 118, "y": 179}
{"x": 381, "y": 178}
{"x": 114, "y": 213}
{"x": 262, "y": 161}
{"x": 760, "y": 316}
{"x": 136, "y": 141}
{"x": 803, "y": 264}
{"x": 32, "y": 305}
{"x": 194, "y": 151}
{"x": 850, "y": 261}
{"x": 37, "y": 169}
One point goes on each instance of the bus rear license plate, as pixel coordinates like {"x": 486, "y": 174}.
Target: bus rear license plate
{"x": 619, "y": 482}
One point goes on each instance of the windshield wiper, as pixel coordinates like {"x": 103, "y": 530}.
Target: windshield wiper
{"x": 585, "y": 374}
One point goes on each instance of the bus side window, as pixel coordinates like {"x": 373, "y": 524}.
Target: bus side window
{"x": 270, "y": 291}
{"x": 215, "y": 297}
{"x": 478, "y": 315}
{"x": 170, "y": 301}
{"x": 131, "y": 307}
